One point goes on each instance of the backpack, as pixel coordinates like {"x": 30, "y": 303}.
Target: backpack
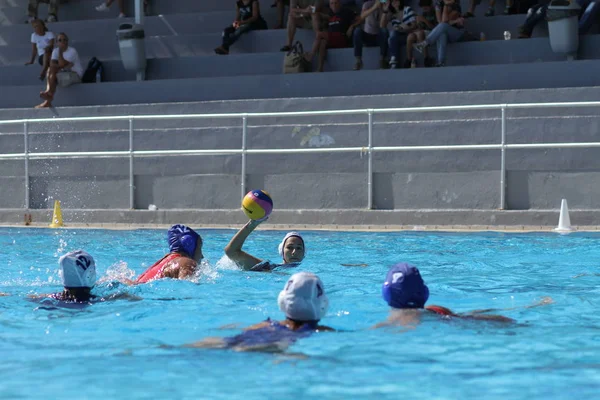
{"x": 294, "y": 61}
{"x": 94, "y": 72}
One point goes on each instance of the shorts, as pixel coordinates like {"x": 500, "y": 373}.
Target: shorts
{"x": 337, "y": 41}
{"x": 67, "y": 78}
{"x": 41, "y": 60}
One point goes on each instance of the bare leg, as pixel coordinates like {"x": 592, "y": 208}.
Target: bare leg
{"x": 291, "y": 30}
{"x": 410, "y": 40}
{"x": 48, "y": 95}
{"x": 46, "y": 64}
{"x": 472, "y": 6}
{"x": 322, "y": 52}
{"x": 280, "y": 12}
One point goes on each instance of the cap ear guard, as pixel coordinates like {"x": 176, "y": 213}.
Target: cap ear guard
{"x": 77, "y": 269}
{"x": 386, "y": 293}
{"x": 189, "y": 244}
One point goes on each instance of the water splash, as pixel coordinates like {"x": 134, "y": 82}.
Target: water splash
{"x": 227, "y": 264}
{"x": 119, "y": 271}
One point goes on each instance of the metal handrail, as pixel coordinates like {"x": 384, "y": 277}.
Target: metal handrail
{"x": 369, "y": 149}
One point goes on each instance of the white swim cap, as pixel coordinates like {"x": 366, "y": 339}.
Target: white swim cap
{"x": 77, "y": 269}
{"x": 285, "y": 238}
{"x": 303, "y": 298}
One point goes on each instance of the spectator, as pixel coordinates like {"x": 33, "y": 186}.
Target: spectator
{"x": 450, "y": 29}
{"x": 106, "y": 6}
{"x": 65, "y": 70}
{"x": 340, "y": 24}
{"x": 508, "y": 9}
{"x": 32, "y": 10}
{"x": 42, "y": 43}
{"x": 425, "y": 23}
{"x": 590, "y": 10}
{"x": 247, "y": 18}
{"x": 403, "y": 21}
{"x": 370, "y": 34}
{"x": 280, "y": 4}
{"x": 303, "y": 14}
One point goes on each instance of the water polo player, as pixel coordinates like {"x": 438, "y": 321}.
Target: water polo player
{"x": 185, "y": 252}
{"x": 405, "y": 291}
{"x": 304, "y": 303}
{"x": 78, "y": 275}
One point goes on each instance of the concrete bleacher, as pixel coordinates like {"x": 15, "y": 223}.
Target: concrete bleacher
{"x": 184, "y": 76}
{"x": 180, "y": 47}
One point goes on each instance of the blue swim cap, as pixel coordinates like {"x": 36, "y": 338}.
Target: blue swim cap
{"x": 183, "y": 239}
{"x": 404, "y": 287}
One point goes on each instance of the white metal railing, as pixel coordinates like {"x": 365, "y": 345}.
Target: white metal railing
{"x": 369, "y": 149}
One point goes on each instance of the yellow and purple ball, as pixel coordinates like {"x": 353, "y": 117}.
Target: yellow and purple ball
{"x": 257, "y": 204}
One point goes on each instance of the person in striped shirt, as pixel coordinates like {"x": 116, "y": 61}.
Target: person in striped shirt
{"x": 403, "y": 21}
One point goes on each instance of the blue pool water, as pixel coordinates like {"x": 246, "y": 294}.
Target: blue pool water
{"x": 112, "y": 349}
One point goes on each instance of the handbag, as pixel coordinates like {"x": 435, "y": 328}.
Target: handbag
{"x": 294, "y": 61}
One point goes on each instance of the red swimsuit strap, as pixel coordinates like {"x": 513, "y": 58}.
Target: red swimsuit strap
{"x": 155, "y": 271}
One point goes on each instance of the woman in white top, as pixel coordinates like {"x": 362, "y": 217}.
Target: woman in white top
{"x": 65, "y": 69}
{"x": 42, "y": 44}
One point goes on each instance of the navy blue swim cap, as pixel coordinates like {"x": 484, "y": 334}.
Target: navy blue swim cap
{"x": 404, "y": 287}
{"x": 183, "y": 239}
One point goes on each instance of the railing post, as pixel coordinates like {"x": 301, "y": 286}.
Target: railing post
{"x": 244, "y": 136}
{"x": 131, "y": 187}
{"x": 503, "y": 161}
{"x": 26, "y": 151}
{"x": 370, "y": 163}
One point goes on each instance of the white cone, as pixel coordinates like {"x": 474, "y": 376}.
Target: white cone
{"x": 564, "y": 221}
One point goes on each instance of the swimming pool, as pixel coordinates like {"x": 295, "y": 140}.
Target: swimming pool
{"x": 111, "y": 350}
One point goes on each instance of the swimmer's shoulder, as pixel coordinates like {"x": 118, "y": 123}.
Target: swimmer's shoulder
{"x": 323, "y": 328}
{"x": 261, "y": 325}
{"x": 180, "y": 267}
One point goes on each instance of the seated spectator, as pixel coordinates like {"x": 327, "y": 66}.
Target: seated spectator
{"x": 32, "y": 10}
{"x": 280, "y": 4}
{"x": 450, "y": 29}
{"x": 303, "y": 14}
{"x": 106, "y": 7}
{"x": 65, "y": 69}
{"x": 247, "y": 18}
{"x": 42, "y": 43}
{"x": 370, "y": 34}
{"x": 425, "y": 23}
{"x": 340, "y": 25}
{"x": 403, "y": 21}
{"x": 508, "y": 9}
{"x": 590, "y": 10}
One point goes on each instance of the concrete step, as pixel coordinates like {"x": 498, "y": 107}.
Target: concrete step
{"x": 368, "y": 82}
{"x": 167, "y": 46}
{"x": 72, "y": 7}
{"x": 463, "y": 54}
